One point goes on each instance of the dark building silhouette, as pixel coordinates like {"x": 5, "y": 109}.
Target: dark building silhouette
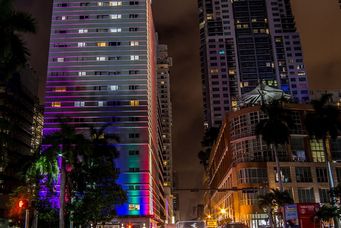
{"x": 21, "y": 122}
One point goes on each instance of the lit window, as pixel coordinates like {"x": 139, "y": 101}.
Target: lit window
{"x": 115, "y": 30}
{"x": 100, "y": 58}
{"x": 101, "y": 44}
{"x": 115, "y": 3}
{"x": 317, "y": 152}
{"x": 82, "y": 31}
{"x": 113, "y": 87}
{"x": 81, "y": 44}
{"x": 134, "y": 57}
{"x": 82, "y": 73}
{"x": 100, "y": 3}
{"x": 56, "y": 104}
{"x": 134, "y": 103}
{"x": 79, "y": 103}
{"x": 214, "y": 71}
{"x": 64, "y": 18}
{"x": 60, "y": 60}
{"x": 134, "y": 207}
{"x": 100, "y": 104}
{"x": 134, "y": 43}
{"x": 115, "y": 16}
{"x": 60, "y": 89}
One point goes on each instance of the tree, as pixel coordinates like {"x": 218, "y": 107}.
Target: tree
{"x": 272, "y": 201}
{"x": 67, "y": 146}
{"x": 207, "y": 142}
{"x": 275, "y": 130}
{"x": 87, "y": 174}
{"x": 95, "y": 192}
{"x": 324, "y": 123}
{"x": 13, "y": 52}
{"x": 328, "y": 212}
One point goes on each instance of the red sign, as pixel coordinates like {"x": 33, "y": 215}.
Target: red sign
{"x": 306, "y": 215}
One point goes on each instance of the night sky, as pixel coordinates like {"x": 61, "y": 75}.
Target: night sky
{"x": 319, "y": 23}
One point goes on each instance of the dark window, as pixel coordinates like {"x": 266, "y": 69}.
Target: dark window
{"x": 321, "y": 175}
{"x": 62, "y": 5}
{"x": 133, "y": 87}
{"x": 114, "y": 43}
{"x": 134, "y": 169}
{"x": 134, "y": 135}
{"x": 134, "y": 152}
{"x": 303, "y": 174}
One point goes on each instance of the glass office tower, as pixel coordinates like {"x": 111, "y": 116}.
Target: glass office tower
{"x": 102, "y": 69}
{"x": 244, "y": 43}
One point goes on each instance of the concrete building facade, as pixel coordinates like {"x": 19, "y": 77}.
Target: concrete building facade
{"x": 242, "y": 161}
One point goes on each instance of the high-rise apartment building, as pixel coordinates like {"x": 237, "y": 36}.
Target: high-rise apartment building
{"x": 20, "y": 132}
{"x": 243, "y": 43}
{"x": 102, "y": 69}
{"x": 164, "y": 63}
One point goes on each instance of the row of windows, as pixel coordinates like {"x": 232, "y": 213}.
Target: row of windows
{"x": 97, "y": 44}
{"x": 100, "y": 16}
{"x": 93, "y": 73}
{"x": 100, "y": 3}
{"x": 94, "y": 88}
{"x": 303, "y": 175}
{"x": 85, "y": 30}
{"x": 132, "y": 103}
{"x": 98, "y": 58}
{"x": 101, "y": 119}
{"x": 305, "y": 195}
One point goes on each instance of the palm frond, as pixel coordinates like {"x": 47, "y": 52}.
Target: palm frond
{"x": 22, "y": 22}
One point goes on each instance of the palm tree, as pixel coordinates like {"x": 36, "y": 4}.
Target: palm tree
{"x": 272, "y": 201}
{"x": 324, "y": 123}
{"x": 275, "y": 130}
{"x": 66, "y": 145}
{"x": 13, "y": 52}
{"x": 265, "y": 202}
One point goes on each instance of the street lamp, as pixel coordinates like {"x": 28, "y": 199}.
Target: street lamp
{"x": 223, "y": 211}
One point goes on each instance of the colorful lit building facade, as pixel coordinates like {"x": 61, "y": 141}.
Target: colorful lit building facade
{"x": 102, "y": 69}
{"x": 242, "y": 161}
{"x": 244, "y": 42}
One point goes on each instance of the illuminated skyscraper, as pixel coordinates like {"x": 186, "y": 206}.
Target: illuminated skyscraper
{"x": 245, "y": 42}
{"x": 164, "y": 63}
{"x": 102, "y": 69}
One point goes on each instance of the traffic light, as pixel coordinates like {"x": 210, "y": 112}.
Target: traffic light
{"x": 22, "y": 204}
